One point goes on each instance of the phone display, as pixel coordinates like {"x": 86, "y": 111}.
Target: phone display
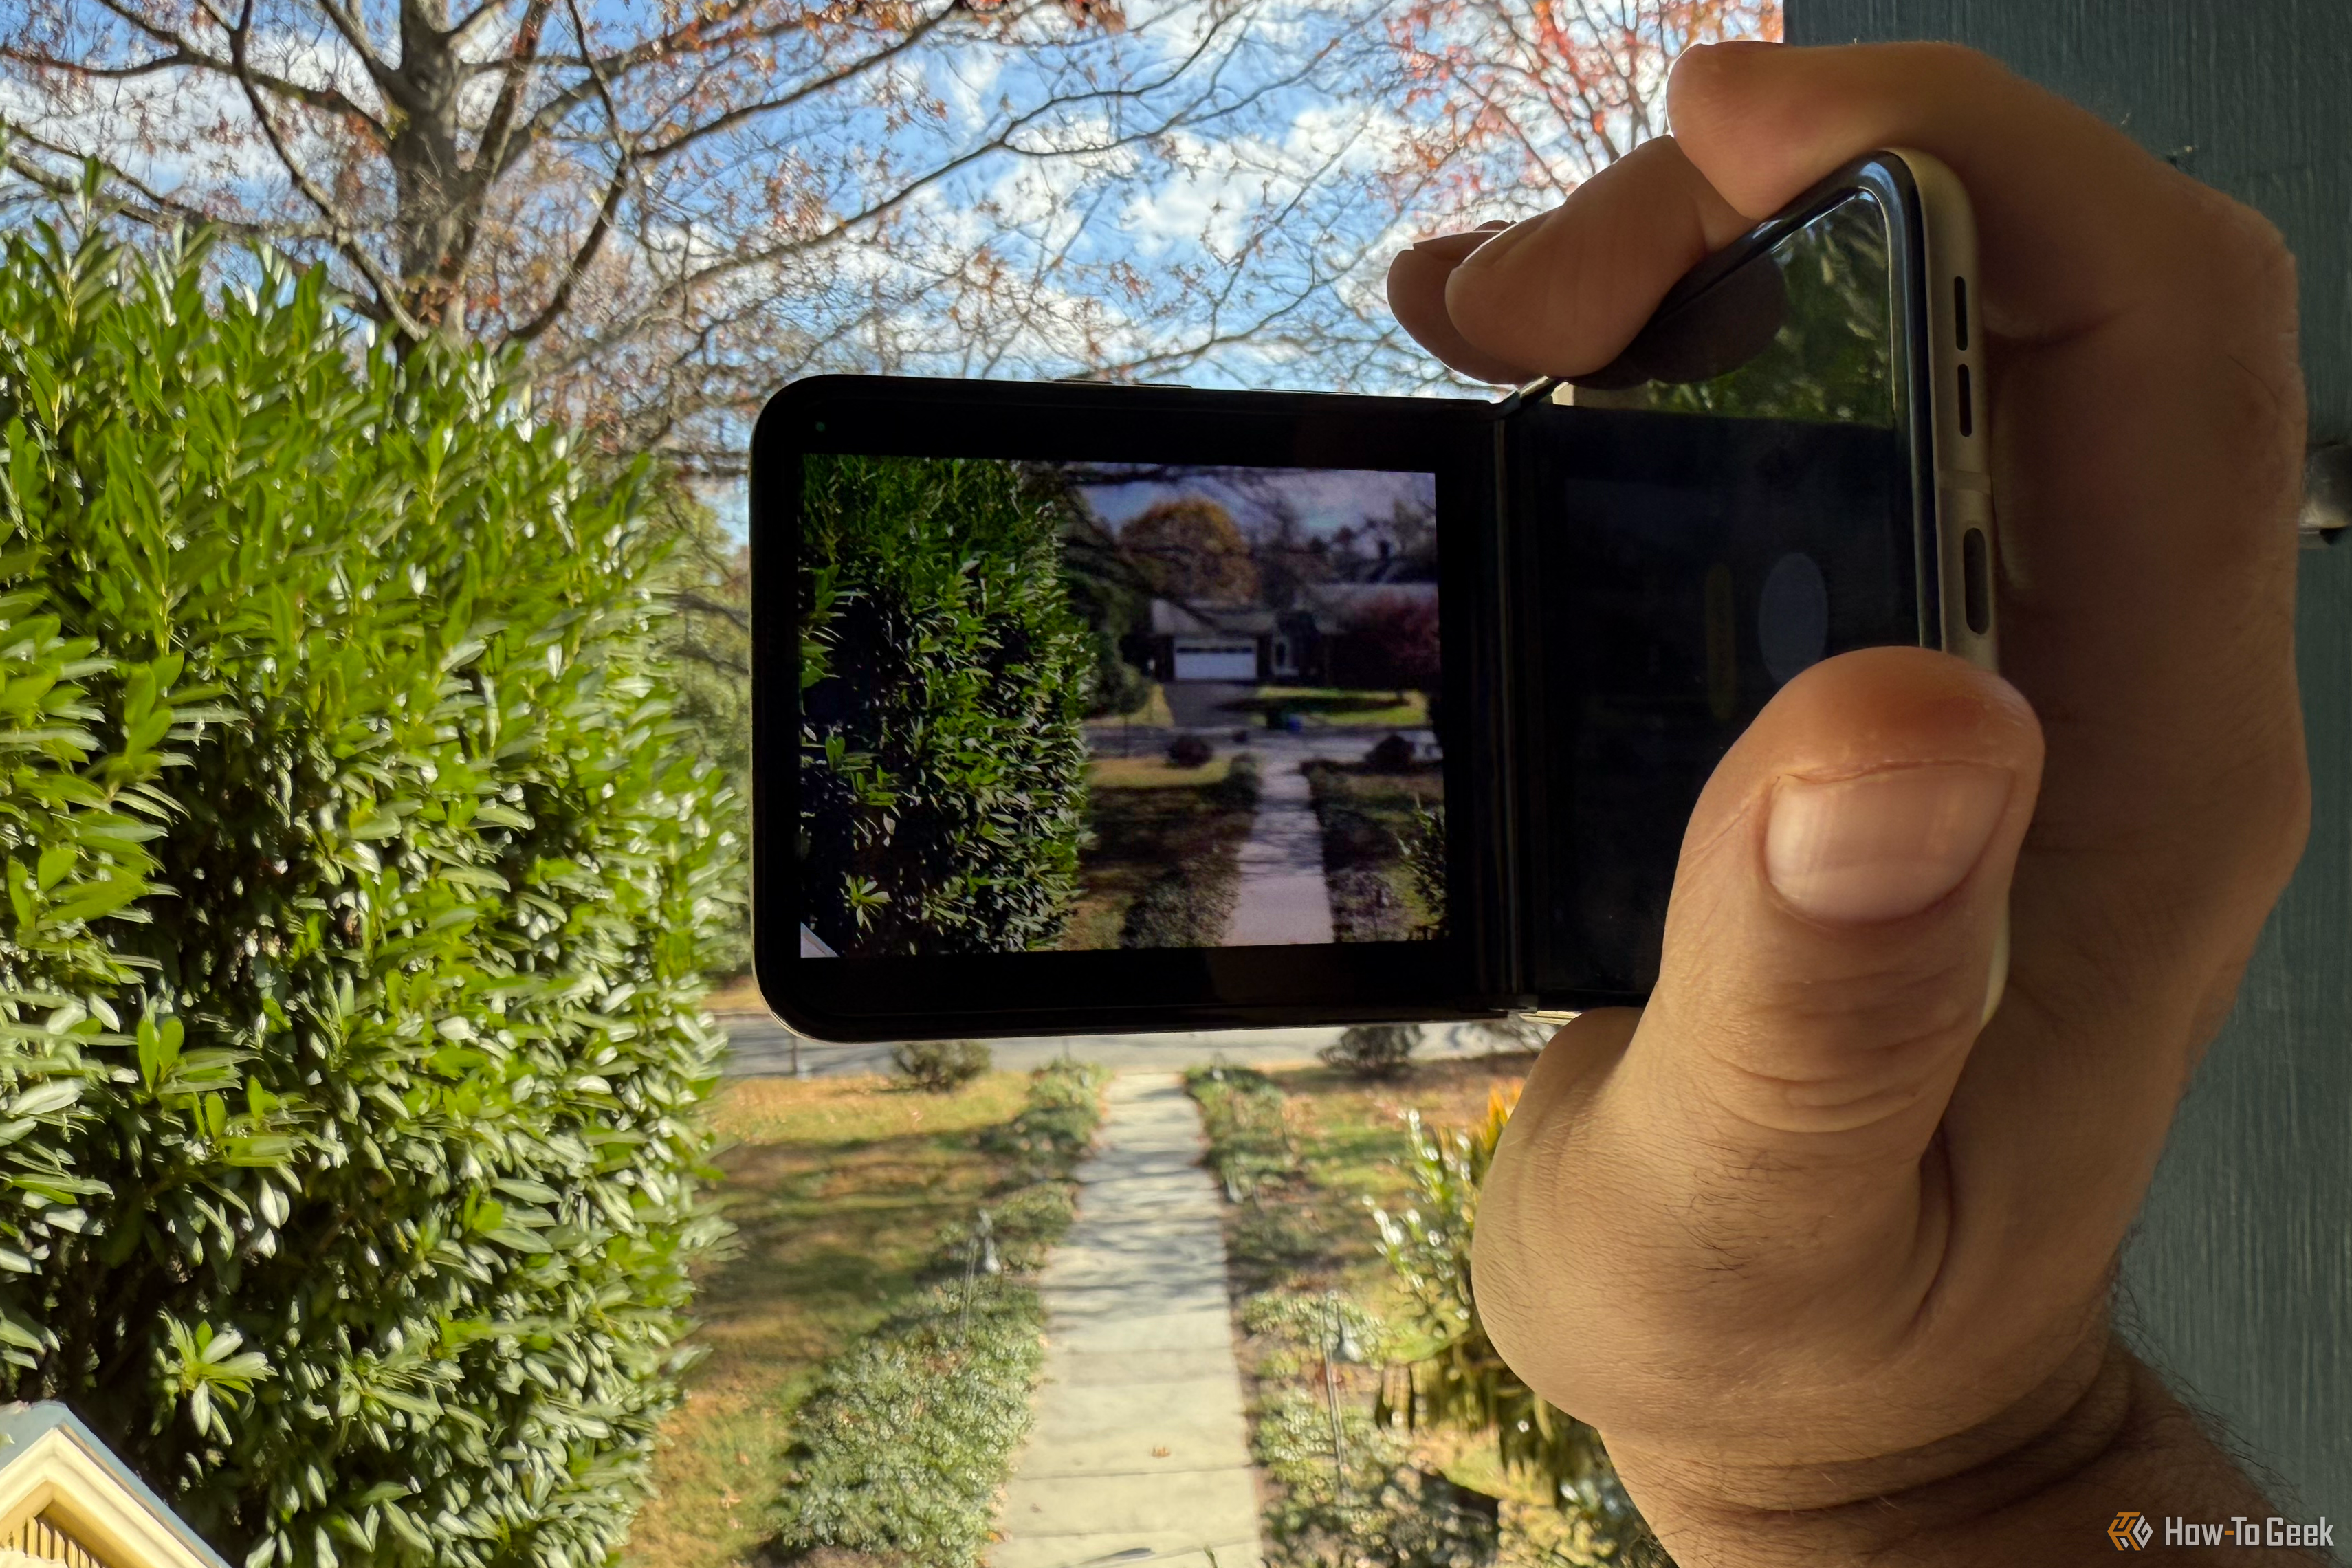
{"x": 1083, "y": 706}
{"x": 1067, "y": 705}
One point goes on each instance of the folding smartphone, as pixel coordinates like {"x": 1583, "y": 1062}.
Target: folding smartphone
{"x": 1085, "y": 707}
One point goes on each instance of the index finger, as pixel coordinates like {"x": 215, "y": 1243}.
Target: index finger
{"x": 2075, "y": 220}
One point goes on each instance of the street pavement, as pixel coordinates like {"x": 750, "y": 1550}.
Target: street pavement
{"x": 760, "y": 1047}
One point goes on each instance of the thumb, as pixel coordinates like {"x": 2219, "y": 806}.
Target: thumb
{"x": 1766, "y": 1128}
{"x": 1834, "y": 935}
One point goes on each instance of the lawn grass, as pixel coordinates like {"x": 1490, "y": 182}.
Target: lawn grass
{"x": 839, "y": 1187}
{"x": 738, "y": 995}
{"x": 1368, "y": 817}
{"x": 1153, "y": 772}
{"x": 1308, "y": 1232}
{"x": 1321, "y": 706}
{"x": 1145, "y": 821}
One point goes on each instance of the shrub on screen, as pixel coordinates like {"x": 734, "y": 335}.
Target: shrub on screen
{"x": 944, "y": 682}
{"x": 357, "y": 891}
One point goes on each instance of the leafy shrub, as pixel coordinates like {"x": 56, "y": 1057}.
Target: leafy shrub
{"x": 1377, "y": 1510}
{"x": 944, "y": 679}
{"x": 1391, "y": 754}
{"x": 1373, "y": 1049}
{"x": 1424, "y": 845}
{"x": 1184, "y": 906}
{"x": 357, "y": 897}
{"x": 1025, "y": 1223}
{"x": 1464, "y": 1382}
{"x": 1238, "y": 791}
{"x": 1057, "y": 1120}
{"x": 1189, "y": 751}
{"x": 1250, "y": 1141}
{"x": 899, "y": 1449}
{"x": 940, "y": 1066}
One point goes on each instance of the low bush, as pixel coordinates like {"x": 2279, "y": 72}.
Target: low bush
{"x": 1391, "y": 754}
{"x": 1250, "y": 1141}
{"x": 899, "y": 1449}
{"x": 940, "y": 1066}
{"x": 1383, "y": 850}
{"x": 1056, "y": 1123}
{"x": 1185, "y": 907}
{"x": 1373, "y": 1049}
{"x": 1189, "y": 751}
{"x": 358, "y": 888}
{"x": 1355, "y": 1500}
{"x": 1240, "y": 788}
{"x": 1423, "y": 846}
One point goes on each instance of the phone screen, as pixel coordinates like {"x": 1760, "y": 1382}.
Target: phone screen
{"x": 1699, "y": 537}
{"x": 1072, "y": 705}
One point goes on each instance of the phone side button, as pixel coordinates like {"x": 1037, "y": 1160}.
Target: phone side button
{"x": 1971, "y": 565}
{"x": 1976, "y": 579}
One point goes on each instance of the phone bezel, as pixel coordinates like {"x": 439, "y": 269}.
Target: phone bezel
{"x": 855, "y": 999}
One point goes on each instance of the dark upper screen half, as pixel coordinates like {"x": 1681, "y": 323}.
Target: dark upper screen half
{"x": 1698, "y": 543}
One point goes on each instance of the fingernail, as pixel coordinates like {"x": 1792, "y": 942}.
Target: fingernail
{"x": 1883, "y": 845}
{"x": 1464, "y": 239}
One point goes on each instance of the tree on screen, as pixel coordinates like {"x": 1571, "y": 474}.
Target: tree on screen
{"x": 1394, "y": 642}
{"x": 1190, "y": 550}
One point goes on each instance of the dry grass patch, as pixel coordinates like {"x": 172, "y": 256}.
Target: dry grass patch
{"x": 839, "y": 1187}
{"x": 1154, "y": 772}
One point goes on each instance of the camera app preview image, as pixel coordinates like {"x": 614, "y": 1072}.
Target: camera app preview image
{"x": 1085, "y": 705}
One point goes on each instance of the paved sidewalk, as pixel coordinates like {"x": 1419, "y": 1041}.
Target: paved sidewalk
{"x": 1282, "y": 896}
{"x": 1139, "y": 1442}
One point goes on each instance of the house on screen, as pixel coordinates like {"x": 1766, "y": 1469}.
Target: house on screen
{"x": 66, "y": 1499}
{"x": 1318, "y": 640}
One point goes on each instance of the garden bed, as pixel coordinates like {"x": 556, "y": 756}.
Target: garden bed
{"x": 1302, "y": 1151}
{"x": 1162, "y": 867}
{"x": 1368, "y": 817}
{"x": 844, "y": 1192}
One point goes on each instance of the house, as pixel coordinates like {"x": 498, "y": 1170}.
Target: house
{"x": 1313, "y": 643}
{"x": 65, "y": 1498}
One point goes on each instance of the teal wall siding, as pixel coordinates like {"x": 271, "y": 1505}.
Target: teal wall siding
{"x": 2239, "y": 1277}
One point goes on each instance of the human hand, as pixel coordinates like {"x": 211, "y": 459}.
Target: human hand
{"x": 1826, "y": 1265}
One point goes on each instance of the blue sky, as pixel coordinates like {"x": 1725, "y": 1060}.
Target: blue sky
{"x": 1325, "y": 501}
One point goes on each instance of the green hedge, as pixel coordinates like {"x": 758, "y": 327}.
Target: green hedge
{"x": 944, "y": 682}
{"x": 357, "y": 895}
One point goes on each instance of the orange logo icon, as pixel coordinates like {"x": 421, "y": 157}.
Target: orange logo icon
{"x": 2129, "y": 1532}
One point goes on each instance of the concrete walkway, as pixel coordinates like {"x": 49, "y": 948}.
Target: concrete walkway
{"x": 1282, "y": 897}
{"x": 1139, "y": 1442}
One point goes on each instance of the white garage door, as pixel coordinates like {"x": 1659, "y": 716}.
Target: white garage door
{"x": 1216, "y": 659}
